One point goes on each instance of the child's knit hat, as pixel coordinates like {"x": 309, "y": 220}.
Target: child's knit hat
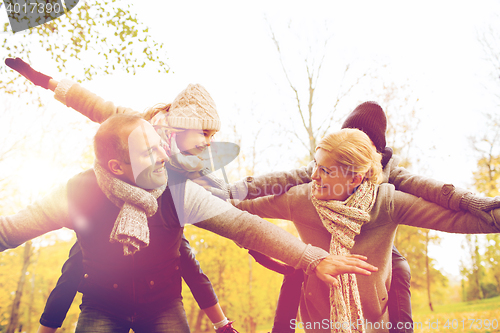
{"x": 370, "y": 118}
{"x": 194, "y": 108}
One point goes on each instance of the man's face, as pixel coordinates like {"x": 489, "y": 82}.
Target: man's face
{"x": 147, "y": 157}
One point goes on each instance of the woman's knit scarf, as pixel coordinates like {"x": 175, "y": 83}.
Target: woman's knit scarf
{"x": 344, "y": 220}
{"x": 131, "y": 226}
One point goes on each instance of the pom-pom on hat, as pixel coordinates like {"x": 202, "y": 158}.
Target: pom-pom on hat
{"x": 194, "y": 108}
{"x": 371, "y": 119}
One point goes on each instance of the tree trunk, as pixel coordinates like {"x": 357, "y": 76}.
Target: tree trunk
{"x": 32, "y": 296}
{"x": 14, "y": 315}
{"x": 477, "y": 265}
{"x": 251, "y": 322}
{"x": 427, "y": 270}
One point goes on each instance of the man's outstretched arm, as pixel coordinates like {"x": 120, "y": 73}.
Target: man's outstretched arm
{"x": 208, "y": 212}
{"x": 48, "y": 214}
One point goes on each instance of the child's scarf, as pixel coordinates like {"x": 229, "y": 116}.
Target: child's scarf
{"x": 131, "y": 226}
{"x": 344, "y": 220}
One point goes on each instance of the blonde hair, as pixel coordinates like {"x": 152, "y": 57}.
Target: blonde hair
{"x": 154, "y": 110}
{"x": 354, "y": 150}
{"x": 157, "y": 115}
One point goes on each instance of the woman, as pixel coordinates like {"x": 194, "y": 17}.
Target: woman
{"x": 344, "y": 209}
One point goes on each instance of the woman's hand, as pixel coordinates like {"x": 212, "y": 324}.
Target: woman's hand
{"x": 334, "y": 265}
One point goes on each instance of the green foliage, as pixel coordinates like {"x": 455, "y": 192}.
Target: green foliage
{"x": 411, "y": 243}
{"x": 95, "y": 38}
{"x": 474, "y": 271}
{"x": 247, "y": 291}
{"x": 48, "y": 256}
{"x": 487, "y": 176}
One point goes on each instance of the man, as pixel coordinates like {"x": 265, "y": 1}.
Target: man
{"x": 130, "y": 236}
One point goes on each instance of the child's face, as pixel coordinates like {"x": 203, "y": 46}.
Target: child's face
{"x": 193, "y": 142}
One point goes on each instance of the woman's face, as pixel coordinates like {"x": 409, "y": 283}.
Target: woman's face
{"x": 194, "y": 142}
{"x": 330, "y": 180}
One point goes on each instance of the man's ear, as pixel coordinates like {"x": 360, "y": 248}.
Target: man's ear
{"x": 115, "y": 167}
{"x": 357, "y": 179}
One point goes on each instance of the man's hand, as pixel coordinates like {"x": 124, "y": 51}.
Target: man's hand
{"x": 334, "y": 265}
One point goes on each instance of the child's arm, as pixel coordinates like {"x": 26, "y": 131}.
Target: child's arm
{"x": 274, "y": 183}
{"x": 445, "y": 195}
{"x": 61, "y": 297}
{"x": 87, "y": 103}
{"x": 70, "y": 93}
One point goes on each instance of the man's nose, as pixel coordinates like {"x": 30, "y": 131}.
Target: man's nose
{"x": 162, "y": 155}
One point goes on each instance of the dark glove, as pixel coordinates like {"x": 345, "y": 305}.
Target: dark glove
{"x": 25, "y": 70}
{"x": 480, "y": 206}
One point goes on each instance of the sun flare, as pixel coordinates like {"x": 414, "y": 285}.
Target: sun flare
{"x": 36, "y": 179}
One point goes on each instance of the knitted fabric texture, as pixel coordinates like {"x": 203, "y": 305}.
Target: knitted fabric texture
{"x": 370, "y": 118}
{"x": 131, "y": 226}
{"x": 344, "y": 220}
{"x": 194, "y": 108}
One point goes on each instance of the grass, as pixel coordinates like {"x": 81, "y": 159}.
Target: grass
{"x": 474, "y": 316}
{"x": 453, "y": 318}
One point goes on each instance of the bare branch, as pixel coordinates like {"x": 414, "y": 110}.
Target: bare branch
{"x": 297, "y": 98}
{"x": 341, "y": 94}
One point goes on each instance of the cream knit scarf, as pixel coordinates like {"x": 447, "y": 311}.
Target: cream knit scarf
{"x": 131, "y": 226}
{"x": 344, "y": 220}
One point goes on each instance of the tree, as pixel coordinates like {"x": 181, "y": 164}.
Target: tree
{"x": 402, "y": 108}
{"x": 475, "y": 271}
{"x": 15, "y": 311}
{"x": 247, "y": 292}
{"x": 487, "y": 146}
{"x": 427, "y": 269}
{"x": 487, "y": 176}
{"x": 107, "y": 33}
{"x": 315, "y": 123}
{"x": 492, "y": 258}
{"x": 489, "y": 39}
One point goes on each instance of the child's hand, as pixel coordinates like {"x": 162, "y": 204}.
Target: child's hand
{"x": 38, "y": 79}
